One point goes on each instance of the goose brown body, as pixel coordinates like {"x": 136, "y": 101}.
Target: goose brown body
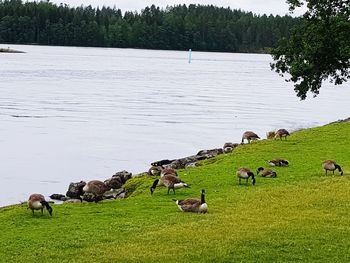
{"x": 282, "y": 133}
{"x": 168, "y": 171}
{"x": 96, "y": 187}
{"x": 38, "y": 202}
{"x": 268, "y": 173}
{"x": 331, "y": 165}
{"x": 278, "y": 162}
{"x": 170, "y": 181}
{"x": 249, "y": 136}
{"x": 245, "y": 173}
{"x": 193, "y": 205}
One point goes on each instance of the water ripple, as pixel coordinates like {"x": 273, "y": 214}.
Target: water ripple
{"x": 72, "y": 120}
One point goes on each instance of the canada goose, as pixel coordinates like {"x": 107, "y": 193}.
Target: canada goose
{"x": 249, "y": 136}
{"x": 266, "y": 172}
{"x": 330, "y": 165}
{"x": 245, "y": 173}
{"x": 193, "y": 205}
{"x": 97, "y": 188}
{"x": 281, "y": 133}
{"x": 169, "y": 181}
{"x": 37, "y": 201}
{"x": 229, "y": 147}
{"x": 278, "y": 162}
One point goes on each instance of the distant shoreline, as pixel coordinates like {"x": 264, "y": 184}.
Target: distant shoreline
{"x": 264, "y": 52}
{"x": 9, "y": 50}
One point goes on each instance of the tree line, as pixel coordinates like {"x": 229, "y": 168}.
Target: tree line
{"x": 180, "y": 27}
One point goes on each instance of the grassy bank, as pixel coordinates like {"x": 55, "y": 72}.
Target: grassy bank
{"x": 302, "y": 215}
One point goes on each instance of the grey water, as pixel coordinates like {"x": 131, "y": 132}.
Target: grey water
{"x": 72, "y": 113}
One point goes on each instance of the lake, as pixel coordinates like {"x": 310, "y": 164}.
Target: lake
{"x": 72, "y": 113}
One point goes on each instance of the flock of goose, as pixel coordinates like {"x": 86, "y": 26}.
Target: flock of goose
{"x": 169, "y": 178}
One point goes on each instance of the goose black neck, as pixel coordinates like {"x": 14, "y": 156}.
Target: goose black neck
{"x": 338, "y": 167}
{"x": 48, "y": 207}
{"x": 202, "y": 198}
{"x": 44, "y": 203}
{"x": 253, "y": 179}
{"x": 153, "y": 187}
{"x": 155, "y": 183}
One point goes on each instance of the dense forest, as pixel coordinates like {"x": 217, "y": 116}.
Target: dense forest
{"x": 205, "y": 28}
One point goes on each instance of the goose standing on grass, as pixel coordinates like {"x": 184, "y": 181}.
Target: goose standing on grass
{"x": 245, "y": 173}
{"x": 249, "y": 136}
{"x": 281, "y": 133}
{"x": 170, "y": 181}
{"x": 331, "y": 165}
{"x": 193, "y": 205}
{"x": 278, "y": 162}
{"x": 266, "y": 172}
{"x": 37, "y": 201}
{"x": 97, "y": 188}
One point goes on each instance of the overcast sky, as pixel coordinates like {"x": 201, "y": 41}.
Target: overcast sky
{"x": 275, "y": 7}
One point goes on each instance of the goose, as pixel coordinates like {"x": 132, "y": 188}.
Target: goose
{"x": 97, "y": 188}
{"x": 229, "y": 147}
{"x": 245, "y": 173}
{"x": 281, "y": 133}
{"x": 278, "y": 162}
{"x": 266, "y": 172}
{"x": 170, "y": 181}
{"x": 249, "y": 136}
{"x": 37, "y": 201}
{"x": 330, "y": 165}
{"x": 193, "y": 205}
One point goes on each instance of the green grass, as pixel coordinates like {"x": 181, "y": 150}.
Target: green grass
{"x": 300, "y": 216}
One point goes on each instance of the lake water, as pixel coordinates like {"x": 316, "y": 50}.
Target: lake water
{"x": 71, "y": 113}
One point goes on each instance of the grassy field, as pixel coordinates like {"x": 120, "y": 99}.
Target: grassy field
{"x": 300, "y": 216}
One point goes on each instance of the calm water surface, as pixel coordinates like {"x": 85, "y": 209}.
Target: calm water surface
{"x": 69, "y": 113}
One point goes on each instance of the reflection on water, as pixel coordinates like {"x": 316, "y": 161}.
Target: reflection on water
{"x": 70, "y": 113}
